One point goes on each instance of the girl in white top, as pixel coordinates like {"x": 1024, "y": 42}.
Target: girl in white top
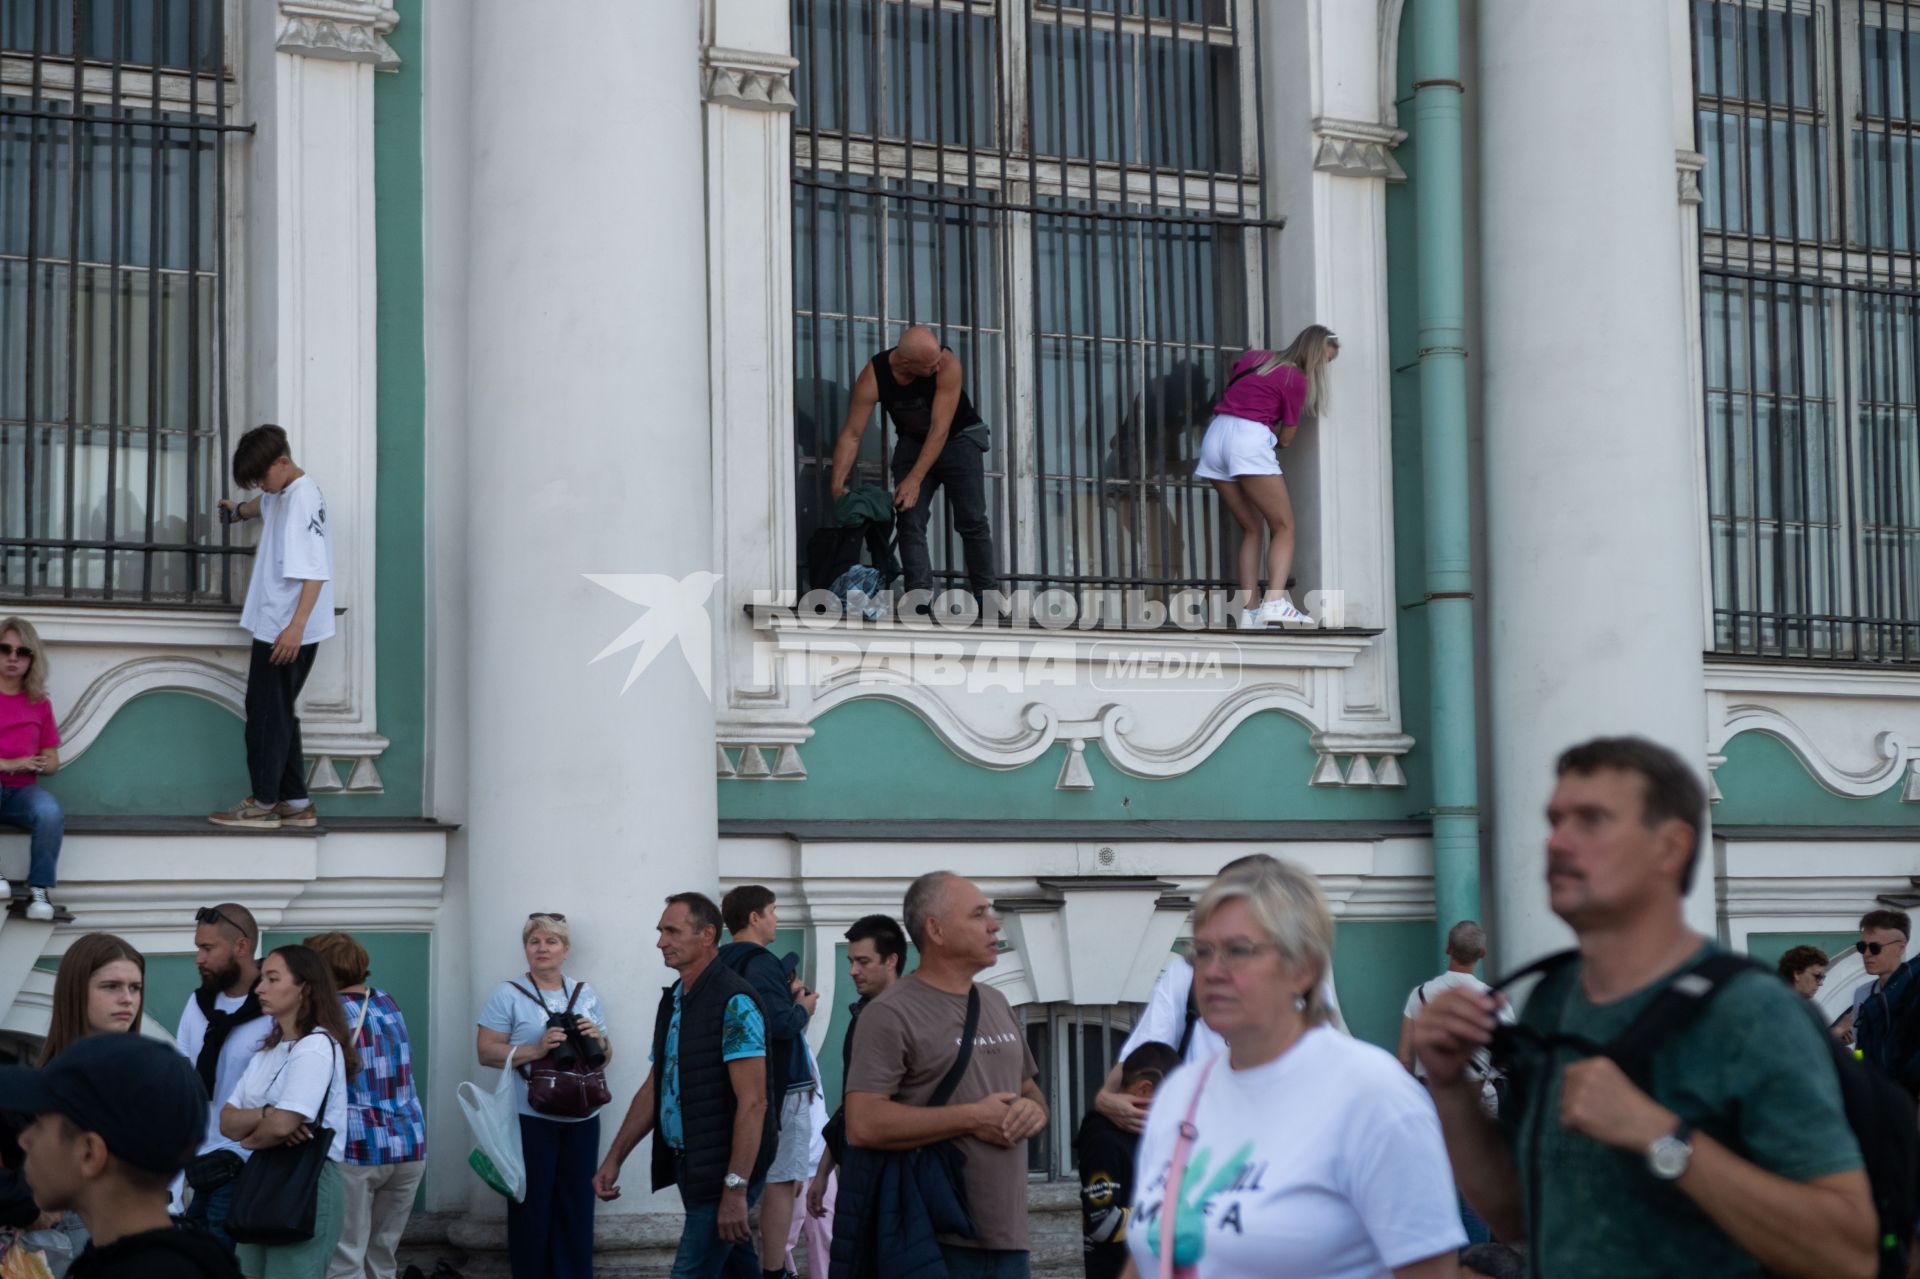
{"x": 1314, "y": 1155}
{"x": 294, "y": 1091}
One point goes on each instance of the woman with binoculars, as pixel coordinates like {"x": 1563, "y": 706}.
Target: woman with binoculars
{"x": 546, "y": 1016}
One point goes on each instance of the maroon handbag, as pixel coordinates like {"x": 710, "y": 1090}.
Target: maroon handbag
{"x": 565, "y": 1092}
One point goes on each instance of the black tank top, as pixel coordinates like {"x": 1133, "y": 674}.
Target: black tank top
{"x": 911, "y": 406}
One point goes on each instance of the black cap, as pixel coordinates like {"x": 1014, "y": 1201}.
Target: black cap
{"x": 141, "y": 1097}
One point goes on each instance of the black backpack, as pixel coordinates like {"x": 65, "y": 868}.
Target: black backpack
{"x": 1878, "y": 1110}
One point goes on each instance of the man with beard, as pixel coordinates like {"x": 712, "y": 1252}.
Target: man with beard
{"x": 220, "y": 1030}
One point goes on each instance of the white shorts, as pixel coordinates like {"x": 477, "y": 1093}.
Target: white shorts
{"x": 790, "y": 1161}
{"x": 1234, "y": 447}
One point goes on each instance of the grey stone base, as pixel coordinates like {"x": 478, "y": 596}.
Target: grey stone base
{"x": 641, "y": 1245}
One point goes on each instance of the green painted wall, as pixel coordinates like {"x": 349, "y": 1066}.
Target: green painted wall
{"x": 875, "y": 758}
{"x": 170, "y": 754}
{"x": 1409, "y": 497}
{"x": 1764, "y": 784}
{"x": 1768, "y": 947}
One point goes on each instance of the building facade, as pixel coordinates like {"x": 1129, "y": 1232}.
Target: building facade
{"x": 561, "y": 306}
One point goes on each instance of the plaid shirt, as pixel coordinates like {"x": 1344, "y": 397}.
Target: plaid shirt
{"x": 385, "y": 1123}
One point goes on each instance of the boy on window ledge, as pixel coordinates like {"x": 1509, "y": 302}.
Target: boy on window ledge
{"x": 289, "y": 610}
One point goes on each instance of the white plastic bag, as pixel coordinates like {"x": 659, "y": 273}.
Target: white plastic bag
{"x": 495, "y": 1121}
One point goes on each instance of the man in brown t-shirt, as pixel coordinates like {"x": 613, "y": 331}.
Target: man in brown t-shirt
{"x": 909, "y": 1038}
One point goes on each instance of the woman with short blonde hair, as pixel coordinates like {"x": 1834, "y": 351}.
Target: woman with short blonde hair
{"x": 1319, "y": 1147}
{"x": 1268, "y": 394}
{"x": 29, "y": 751}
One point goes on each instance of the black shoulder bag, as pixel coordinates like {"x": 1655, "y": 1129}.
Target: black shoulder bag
{"x": 936, "y": 1169}
{"x": 276, "y": 1194}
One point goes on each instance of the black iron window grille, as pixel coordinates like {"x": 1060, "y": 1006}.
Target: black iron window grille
{"x": 1070, "y": 194}
{"x": 1809, "y": 116}
{"x": 114, "y": 124}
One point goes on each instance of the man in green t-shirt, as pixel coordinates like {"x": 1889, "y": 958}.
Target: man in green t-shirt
{"x": 1740, "y": 1162}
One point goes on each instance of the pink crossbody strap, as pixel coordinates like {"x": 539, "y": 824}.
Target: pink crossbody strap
{"x": 1176, "y": 1173}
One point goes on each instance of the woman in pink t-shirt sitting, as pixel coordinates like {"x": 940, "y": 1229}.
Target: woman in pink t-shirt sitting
{"x": 29, "y": 750}
{"x": 1267, "y": 394}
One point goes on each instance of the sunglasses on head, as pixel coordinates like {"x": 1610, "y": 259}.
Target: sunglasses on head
{"x": 1875, "y": 947}
{"x": 554, "y": 915}
{"x": 208, "y": 915}
{"x": 20, "y": 651}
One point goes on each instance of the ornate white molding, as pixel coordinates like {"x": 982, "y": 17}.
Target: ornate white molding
{"x": 1856, "y": 732}
{"x": 746, "y": 78}
{"x": 1356, "y": 149}
{"x": 1689, "y": 165}
{"x": 339, "y": 31}
{"x": 1002, "y": 700}
{"x": 100, "y": 659}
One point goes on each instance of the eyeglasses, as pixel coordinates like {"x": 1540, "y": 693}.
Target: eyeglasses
{"x": 1875, "y": 947}
{"x": 554, "y": 915}
{"x": 208, "y": 915}
{"x": 1233, "y": 956}
{"x": 22, "y": 652}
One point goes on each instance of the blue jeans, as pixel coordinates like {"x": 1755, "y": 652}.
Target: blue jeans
{"x": 1477, "y": 1231}
{"x": 702, "y": 1255}
{"x": 210, "y": 1210}
{"x": 35, "y": 810}
{"x": 983, "y": 1263}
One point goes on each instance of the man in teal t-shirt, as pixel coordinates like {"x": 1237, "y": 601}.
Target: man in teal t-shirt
{"x": 1739, "y": 1162}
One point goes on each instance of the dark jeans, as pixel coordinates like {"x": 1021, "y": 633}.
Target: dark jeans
{"x": 209, "y": 1209}
{"x": 702, "y": 1255}
{"x": 550, "y": 1236}
{"x": 35, "y": 810}
{"x": 961, "y": 470}
{"x": 274, "y": 762}
{"x": 984, "y": 1263}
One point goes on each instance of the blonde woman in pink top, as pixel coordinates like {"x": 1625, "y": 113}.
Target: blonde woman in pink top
{"x": 29, "y": 751}
{"x": 1267, "y": 394}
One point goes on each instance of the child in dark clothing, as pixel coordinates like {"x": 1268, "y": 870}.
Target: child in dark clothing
{"x": 1105, "y": 1154}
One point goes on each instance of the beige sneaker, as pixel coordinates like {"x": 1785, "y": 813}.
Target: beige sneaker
{"x": 304, "y": 818}
{"x": 248, "y": 814}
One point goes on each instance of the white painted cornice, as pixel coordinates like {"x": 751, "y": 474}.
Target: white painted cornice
{"x": 747, "y": 78}
{"x": 1357, "y": 149}
{"x": 339, "y": 31}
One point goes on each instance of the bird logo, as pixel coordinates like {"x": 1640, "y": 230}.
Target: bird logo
{"x": 676, "y": 612}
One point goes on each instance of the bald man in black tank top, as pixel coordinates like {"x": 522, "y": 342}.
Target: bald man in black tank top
{"x": 940, "y": 444}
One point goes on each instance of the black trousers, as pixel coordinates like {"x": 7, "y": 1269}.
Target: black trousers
{"x": 961, "y": 470}
{"x": 275, "y": 763}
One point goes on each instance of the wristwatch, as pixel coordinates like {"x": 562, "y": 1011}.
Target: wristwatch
{"x": 1668, "y": 1157}
{"x": 734, "y": 1181}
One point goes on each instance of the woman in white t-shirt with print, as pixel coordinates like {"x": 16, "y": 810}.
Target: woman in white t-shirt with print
{"x": 1313, "y": 1155}
{"x": 296, "y": 1087}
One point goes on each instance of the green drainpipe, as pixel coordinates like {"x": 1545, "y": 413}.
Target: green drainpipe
{"x": 1453, "y": 745}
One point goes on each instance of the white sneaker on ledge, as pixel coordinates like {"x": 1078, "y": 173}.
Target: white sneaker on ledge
{"x": 6, "y": 890}
{"x": 1249, "y": 619}
{"x": 38, "y": 907}
{"x": 1281, "y": 612}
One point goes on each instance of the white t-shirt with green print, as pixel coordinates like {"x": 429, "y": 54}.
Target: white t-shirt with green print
{"x": 1325, "y": 1163}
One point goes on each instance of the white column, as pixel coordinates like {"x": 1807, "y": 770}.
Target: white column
{"x": 1592, "y": 508}
{"x": 313, "y": 364}
{"x": 588, "y": 451}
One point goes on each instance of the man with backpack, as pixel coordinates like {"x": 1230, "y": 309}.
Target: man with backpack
{"x": 752, "y": 921}
{"x": 1661, "y": 1089}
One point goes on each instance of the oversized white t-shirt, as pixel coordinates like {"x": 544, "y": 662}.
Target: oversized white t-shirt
{"x": 1166, "y": 1015}
{"x": 1326, "y": 1163}
{"x": 294, "y": 549}
{"x": 235, "y": 1056}
{"x": 301, "y": 1077}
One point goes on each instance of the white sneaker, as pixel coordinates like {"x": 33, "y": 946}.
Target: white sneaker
{"x": 1249, "y": 619}
{"x": 6, "y": 891}
{"x": 1281, "y": 612}
{"x": 39, "y": 907}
